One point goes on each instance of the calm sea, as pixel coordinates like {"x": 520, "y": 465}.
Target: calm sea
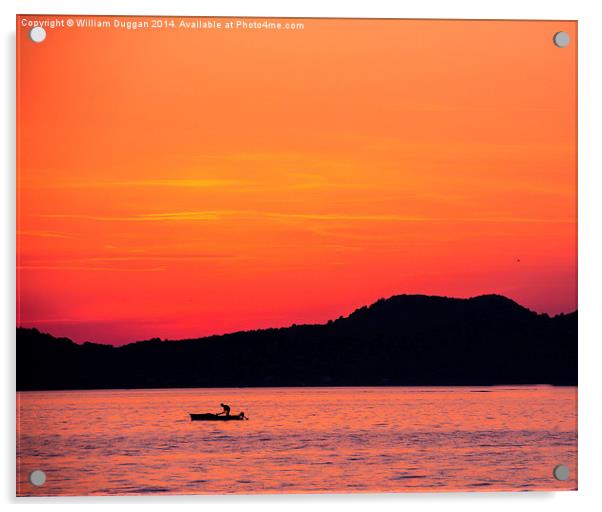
{"x": 297, "y": 440}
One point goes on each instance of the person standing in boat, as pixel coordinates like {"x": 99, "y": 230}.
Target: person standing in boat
{"x": 226, "y": 410}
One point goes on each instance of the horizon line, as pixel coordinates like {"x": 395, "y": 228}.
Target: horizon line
{"x": 295, "y": 324}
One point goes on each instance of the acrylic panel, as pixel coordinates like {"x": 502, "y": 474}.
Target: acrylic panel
{"x": 261, "y": 255}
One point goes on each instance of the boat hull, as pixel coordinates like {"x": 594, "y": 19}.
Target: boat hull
{"x": 213, "y": 417}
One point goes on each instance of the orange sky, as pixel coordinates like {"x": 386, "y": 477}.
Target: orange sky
{"x": 178, "y": 183}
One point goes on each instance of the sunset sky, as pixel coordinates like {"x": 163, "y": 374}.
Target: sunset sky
{"x": 176, "y": 183}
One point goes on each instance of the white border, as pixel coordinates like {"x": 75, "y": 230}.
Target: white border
{"x": 586, "y": 12}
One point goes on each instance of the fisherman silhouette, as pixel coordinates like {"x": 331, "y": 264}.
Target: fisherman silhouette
{"x": 226, "y": 410}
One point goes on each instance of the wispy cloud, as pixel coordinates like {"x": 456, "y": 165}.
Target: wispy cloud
{"x": 88, "y": 268}
{"x": 165, "y": 216}
{"x": 45, "y": 234}
{"x": 159, "y": 257}
{"x": 405, "y": 218}
{"x": 343, "y": 216}
{"x": 183, "y": 183}
{"x": 198, "y": 215}
{"x": 220, "y": 214}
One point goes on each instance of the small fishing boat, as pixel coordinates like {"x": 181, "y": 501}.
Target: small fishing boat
{"x": 217, "y": 417}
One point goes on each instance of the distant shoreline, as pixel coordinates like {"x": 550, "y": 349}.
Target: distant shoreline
{"x": 406, "y": 340}
{"x": 437, "y": 387}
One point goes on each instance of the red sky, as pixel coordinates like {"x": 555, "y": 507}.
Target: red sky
{"x": 178, "y": 183}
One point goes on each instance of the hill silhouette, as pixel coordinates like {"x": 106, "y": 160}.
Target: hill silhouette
{"x": 406, "y": 340}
